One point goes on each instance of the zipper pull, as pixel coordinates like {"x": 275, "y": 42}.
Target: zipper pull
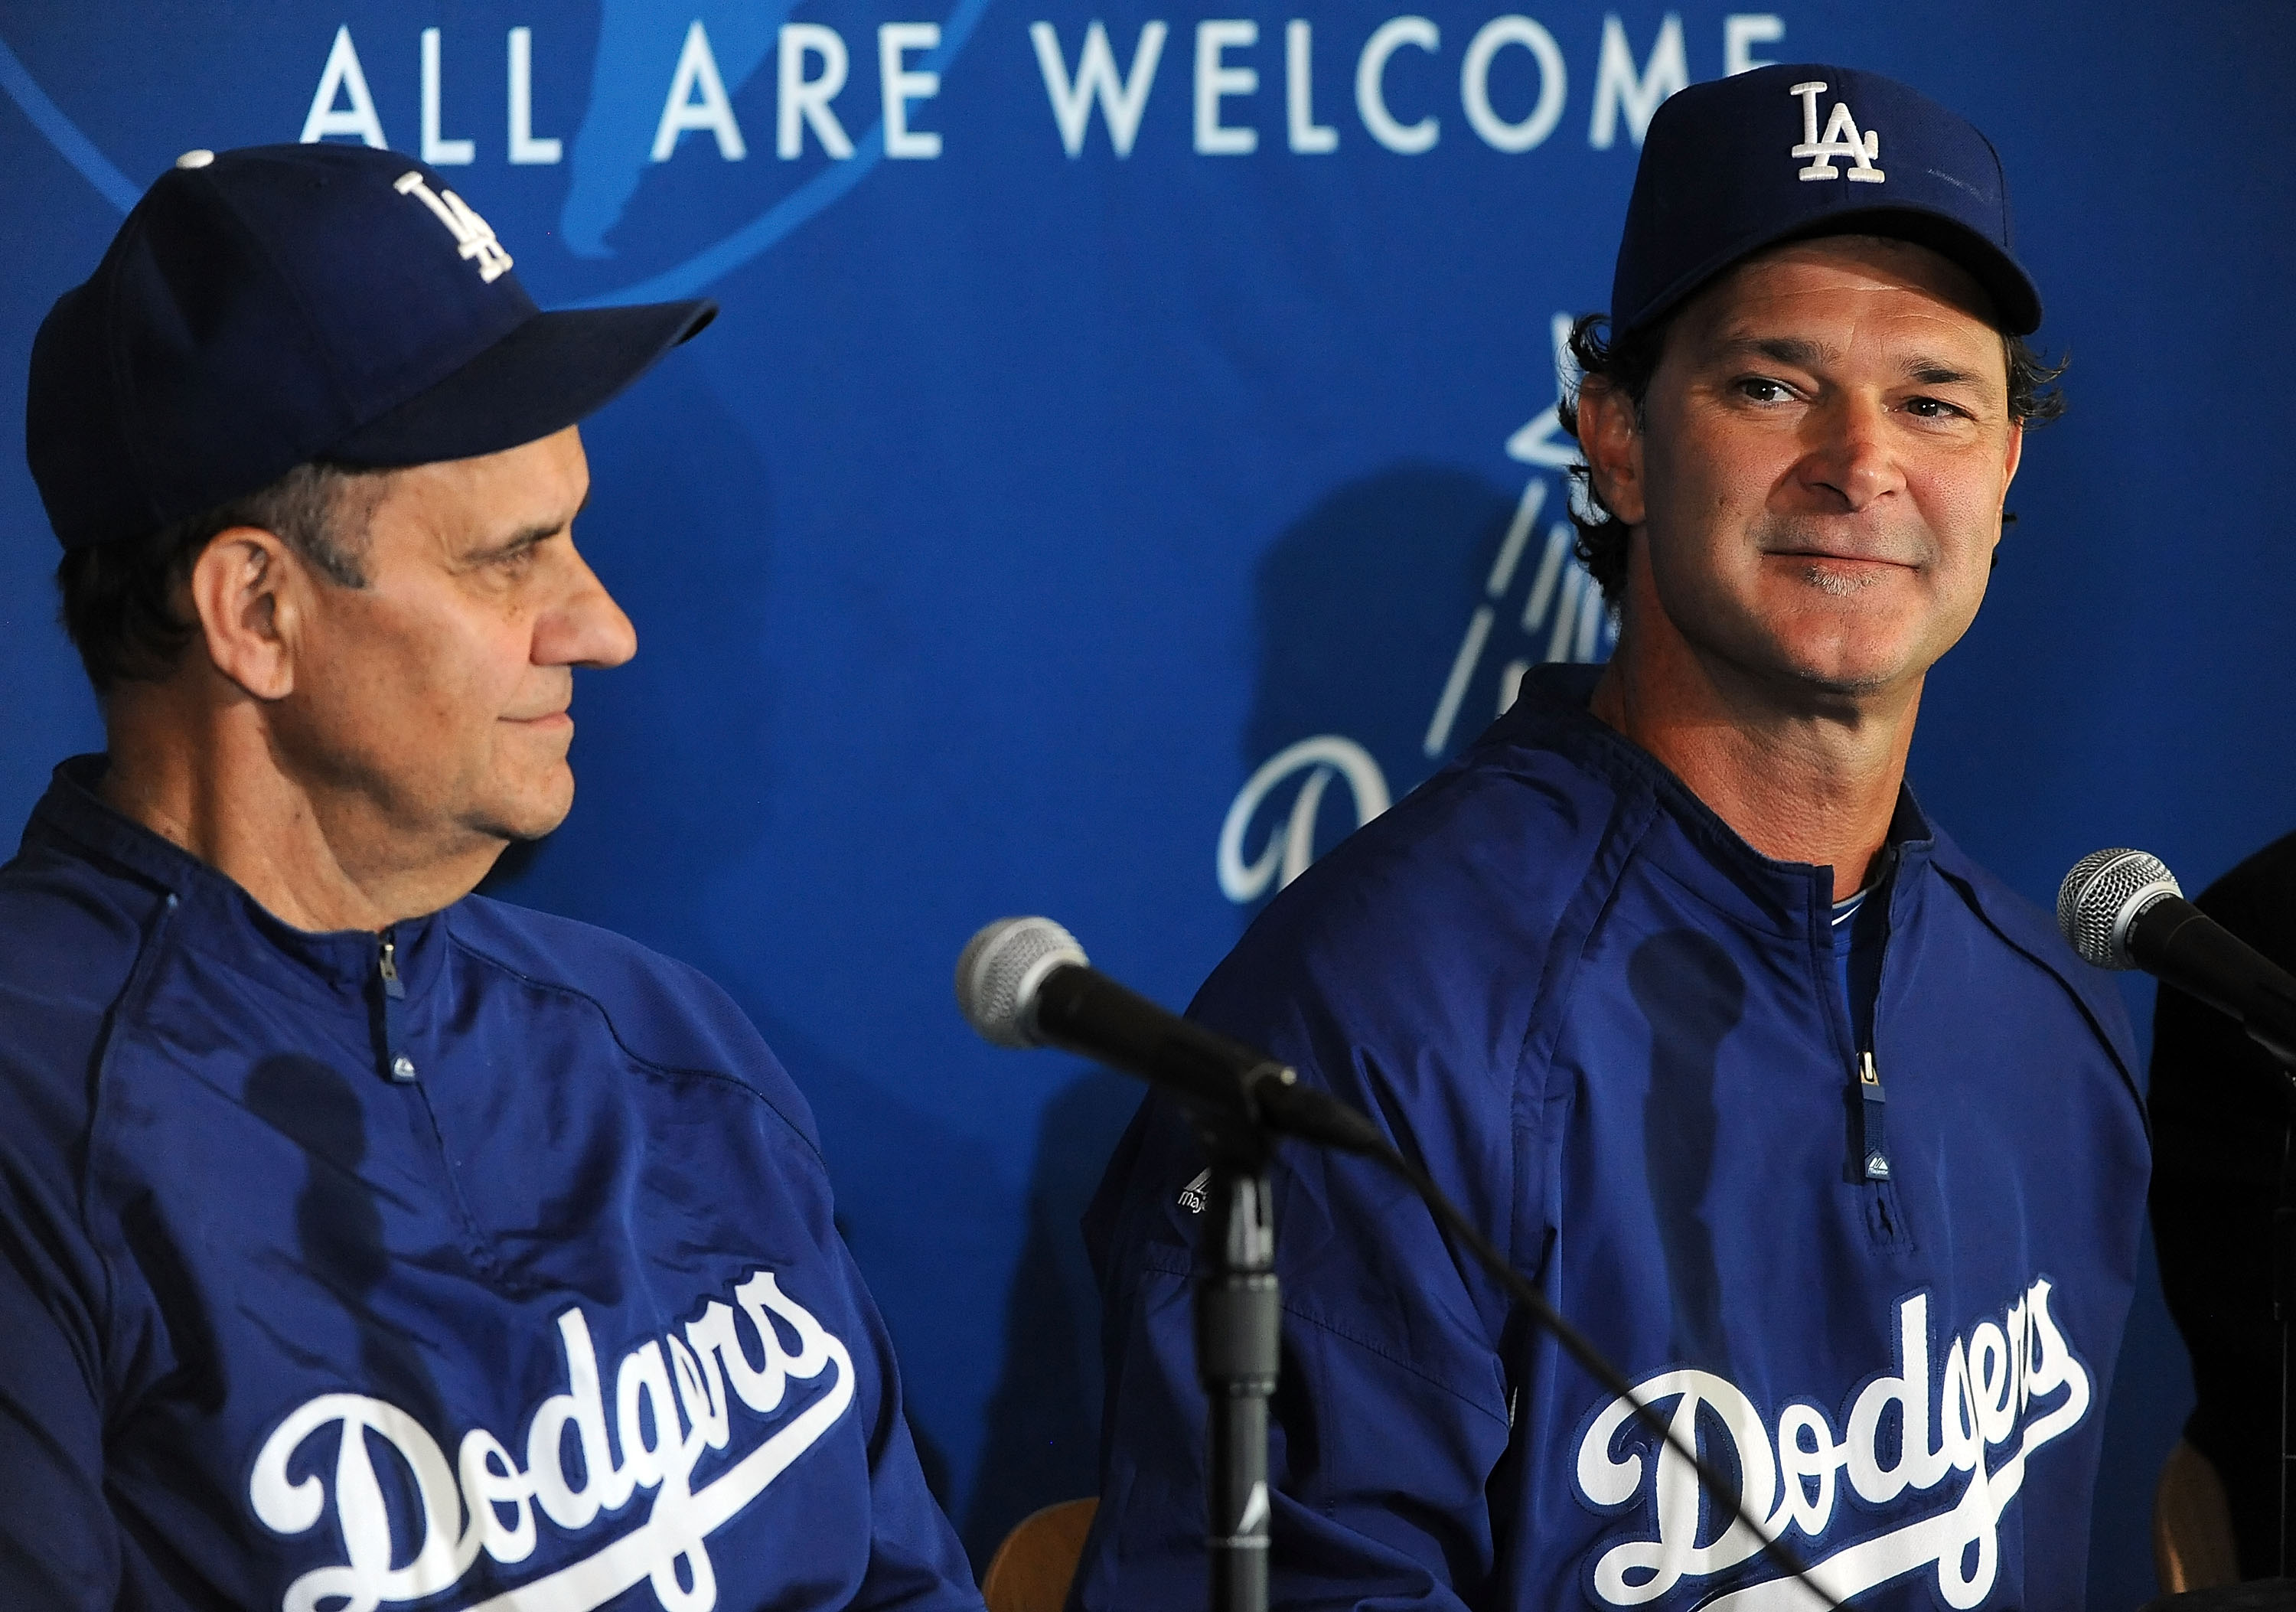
{"x": 1873, "y": 1143}
{"x": 396, "y": 1064}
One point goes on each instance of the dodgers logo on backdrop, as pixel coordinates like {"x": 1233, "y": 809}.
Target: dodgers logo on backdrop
{"x": 486, "y": 1501}
{"x": 1561, "y": 616}
{"x": 474, "y": 237}
{"x": 2011, "y": 1385}
{"x": 1321, "y": 759}
{"x": 1842, "y": 139}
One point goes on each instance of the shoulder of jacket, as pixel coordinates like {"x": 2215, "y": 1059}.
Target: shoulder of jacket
{"x": 2028, "y": 930}
{"x": 71, "y": 934}
{"x": 1479, "y": 870}
{"x": 662, "y": 1012}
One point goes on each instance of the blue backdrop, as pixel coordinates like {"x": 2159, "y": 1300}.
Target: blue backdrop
{"x": 1121, "y": 466}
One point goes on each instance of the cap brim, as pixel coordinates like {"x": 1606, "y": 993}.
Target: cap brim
{"x": 551, "y": 372}
{"x": 2016, "y": 300}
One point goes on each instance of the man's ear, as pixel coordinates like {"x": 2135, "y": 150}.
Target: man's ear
{"x": 245, "y": 593}
{"x": 1612, "y": 439}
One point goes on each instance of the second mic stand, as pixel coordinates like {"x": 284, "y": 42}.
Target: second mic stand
{"x": 1238, "y": 1342}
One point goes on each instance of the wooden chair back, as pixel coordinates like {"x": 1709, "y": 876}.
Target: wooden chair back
{"x": 1031, "y": 1569}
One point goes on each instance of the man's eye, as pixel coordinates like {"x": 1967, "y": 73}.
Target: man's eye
{"x": 1932, "y": 408}
{"x": 1756, "y": 390}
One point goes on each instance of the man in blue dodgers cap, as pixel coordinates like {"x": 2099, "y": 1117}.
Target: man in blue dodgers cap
{"x": 364, "y": 1242}
{"x": 1822, "y": 1135}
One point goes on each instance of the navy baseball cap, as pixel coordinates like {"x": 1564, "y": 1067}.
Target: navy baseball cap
{"x": 264, "y": 307}
{"x": 1786, "y": 153}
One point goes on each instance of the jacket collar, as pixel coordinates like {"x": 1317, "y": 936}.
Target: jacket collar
{"x": 231, "y": 925}
{"x": 1552, "y": 710}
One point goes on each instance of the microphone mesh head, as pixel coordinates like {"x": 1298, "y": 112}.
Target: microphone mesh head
{"x": 2103, "y": 895}
{"x": 999, "y": 971}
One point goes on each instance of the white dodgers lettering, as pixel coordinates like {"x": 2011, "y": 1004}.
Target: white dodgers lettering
{"x": 2011, "y": 1383}
{"x": 670, "y": 1405}
{"x": 1842, "y": 139}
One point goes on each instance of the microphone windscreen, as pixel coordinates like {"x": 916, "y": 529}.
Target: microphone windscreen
{"x": 998, "y": 972}
{"x": 2103, "y": 896}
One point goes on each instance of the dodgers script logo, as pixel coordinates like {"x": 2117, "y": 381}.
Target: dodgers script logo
{"x": 1562, "y": 618}
{"x": 1842, "y": 140}
{"x": 2010, "y": 1386}
{"x": 486, "y": 1500}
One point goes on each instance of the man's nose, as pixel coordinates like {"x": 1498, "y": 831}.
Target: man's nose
{"x": 585, "y": 627}
{"x": 1849, "y": 456}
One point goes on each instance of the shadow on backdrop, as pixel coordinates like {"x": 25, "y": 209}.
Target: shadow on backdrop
{"x": 1044, "y": 1417}
{"x": 1359, "y": 608}
{"x": 1362, "y": 603}
{"x": 668, "y": 750}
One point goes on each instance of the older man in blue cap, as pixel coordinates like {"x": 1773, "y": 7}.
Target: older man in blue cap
{"x": 1822, "y": 1135}
{"x": 363, "y": 1242}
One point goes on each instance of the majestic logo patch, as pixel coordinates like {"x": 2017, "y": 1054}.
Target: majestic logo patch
{"x": 1842, "y": 139}
{"x": 486, "y": 1500}
{"x": 1992, "y": 1391}
{"x": 474, "y": 237}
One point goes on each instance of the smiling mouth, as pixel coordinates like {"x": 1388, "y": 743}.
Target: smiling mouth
{"x": 1843, "y": 575}
{"x": 1826, "y": 556}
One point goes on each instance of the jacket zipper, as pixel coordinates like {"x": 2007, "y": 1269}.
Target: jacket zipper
{"x": 1872, "y": 1139}
{"x": 396, "y": 1064}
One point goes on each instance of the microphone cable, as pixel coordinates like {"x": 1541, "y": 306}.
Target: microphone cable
{"x": 1001, "y": 981}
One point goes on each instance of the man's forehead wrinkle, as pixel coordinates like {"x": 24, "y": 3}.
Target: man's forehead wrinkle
{"x": 1802, "y": 352}
{"x": 1939, "y": 372}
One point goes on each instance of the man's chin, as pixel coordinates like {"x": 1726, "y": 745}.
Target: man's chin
{"x": 532, "y": 815}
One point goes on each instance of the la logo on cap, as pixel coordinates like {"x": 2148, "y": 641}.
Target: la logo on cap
{"x": 1842, "y": 140}
{"x": 474, "y": 237}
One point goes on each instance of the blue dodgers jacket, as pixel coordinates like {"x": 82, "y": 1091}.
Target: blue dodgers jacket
{"x": 1615, "y": 1035}
{"x": 559, "y": 1323}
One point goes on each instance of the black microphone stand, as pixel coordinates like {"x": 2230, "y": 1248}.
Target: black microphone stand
{"x": 1238, "y": 1327}
{"x": 1238, "y": 1101}
{"x": 1238, "y": 1341}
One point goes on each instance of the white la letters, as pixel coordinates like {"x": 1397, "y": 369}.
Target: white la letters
{"x": 670, "y": 1406}
{"x": 1984, "y": 1384}
{"x": 1842, "y": 140}
{"x": 474, "y": 237}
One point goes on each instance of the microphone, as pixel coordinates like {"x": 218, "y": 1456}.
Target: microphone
{"x": 2122, "y": 908}
{"x": 1026, "y": 982}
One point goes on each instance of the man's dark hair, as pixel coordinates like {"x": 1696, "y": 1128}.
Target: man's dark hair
{"x": 120, "y": 599}
{"x": 1628, "y": 363}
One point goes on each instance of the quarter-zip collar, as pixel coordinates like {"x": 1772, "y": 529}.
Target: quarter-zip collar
{"x": 334, "y": 967}
{"x": 1794, "y": 900}
{"x": 1552, "y": 711}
